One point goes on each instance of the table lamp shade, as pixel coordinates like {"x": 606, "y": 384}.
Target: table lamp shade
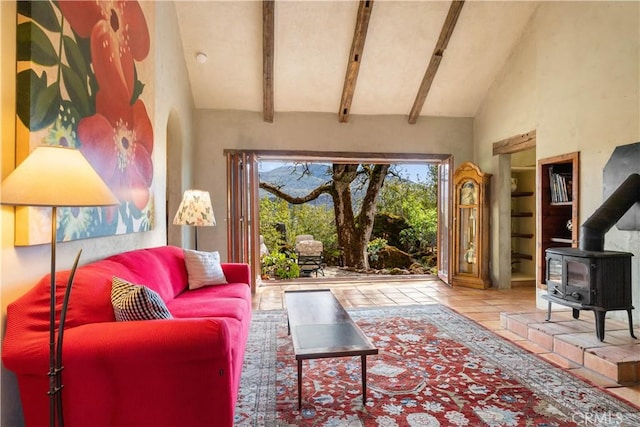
{"x": 195, "y": 209}
{"x": 56, "y": 176}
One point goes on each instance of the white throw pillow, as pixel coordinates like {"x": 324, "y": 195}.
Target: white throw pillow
{"x": 203, "y": 268}
{"x": 136, "y": 302}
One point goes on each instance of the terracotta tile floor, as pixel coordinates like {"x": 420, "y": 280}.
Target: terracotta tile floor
{"x": 482, "y": 306}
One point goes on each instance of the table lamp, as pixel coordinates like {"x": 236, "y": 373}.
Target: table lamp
{"x": 195, "y": 209}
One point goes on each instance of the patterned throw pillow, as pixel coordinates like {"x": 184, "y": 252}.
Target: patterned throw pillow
{"x": 136, "y": 302}
{"x": 203, "y": 268}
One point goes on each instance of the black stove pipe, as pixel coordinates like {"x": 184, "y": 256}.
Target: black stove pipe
{"x": 592, "y": 231}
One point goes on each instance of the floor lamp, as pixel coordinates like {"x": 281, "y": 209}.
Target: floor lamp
{"x": 195, "y": 209}
{"x": 56, "y": 176}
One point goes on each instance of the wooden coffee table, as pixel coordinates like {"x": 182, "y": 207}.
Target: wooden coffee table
{"x": 321, "y": 328}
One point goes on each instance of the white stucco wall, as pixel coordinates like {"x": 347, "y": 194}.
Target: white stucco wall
{"x": 22, "y": 266}
{"x": 575, "y": 78}
{"x": 218, "y": 130}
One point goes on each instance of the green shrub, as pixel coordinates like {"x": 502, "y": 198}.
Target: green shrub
{"x": 280, "y": 265}
{"x": 374, "y": 246}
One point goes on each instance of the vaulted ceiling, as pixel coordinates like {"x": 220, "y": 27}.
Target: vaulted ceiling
{"x": 413, "y": 58}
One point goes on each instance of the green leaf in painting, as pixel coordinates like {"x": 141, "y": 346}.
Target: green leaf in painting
{"x": 24, "y": 8}
{"x": 137, "y": 91}
{"x": 76, "y": 60}
{"x": 138, "y": 86}
{"x": 77, "y": 90}
{"x": 93, "y": 89}
{"x": 46, "y": 106}
{"x": 26, "y": 82}
{"x": 41, "y": 12}
{"x": 84, "y": 44}
{"x": 34, "y": 45}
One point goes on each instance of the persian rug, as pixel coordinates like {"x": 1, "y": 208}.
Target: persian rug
{"x": 434, "y": 368}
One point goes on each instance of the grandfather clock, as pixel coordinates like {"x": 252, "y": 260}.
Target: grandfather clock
{"x": 471, "y": 227}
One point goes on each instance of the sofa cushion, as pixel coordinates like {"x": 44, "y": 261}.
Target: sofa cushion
{"x": 161, "y": 269}
{"x": 232, "y": 301}
{"x": 136, "y": 302}
{"x": 203, "y": 268}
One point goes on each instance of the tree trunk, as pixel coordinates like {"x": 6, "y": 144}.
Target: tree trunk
{"x": 354, "y": 232}
{"x": 349, "y": 236}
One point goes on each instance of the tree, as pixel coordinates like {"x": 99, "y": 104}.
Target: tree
{"x": 417, "y": 203}
{"x": 353, "y": 228}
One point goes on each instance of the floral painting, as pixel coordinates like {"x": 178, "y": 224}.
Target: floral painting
{"x": 84, "y": 70}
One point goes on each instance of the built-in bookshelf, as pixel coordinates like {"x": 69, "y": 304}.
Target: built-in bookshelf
{"x": 557, "y": 206}
{"x": 523, "y": 225}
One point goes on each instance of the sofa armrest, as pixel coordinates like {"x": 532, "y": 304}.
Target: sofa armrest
{"x": 236, "y": 272}
{"x": 180, "y": 340}
{"x": 183, "y": 368}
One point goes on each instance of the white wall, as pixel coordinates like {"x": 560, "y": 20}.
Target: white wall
{"x": 22, "y": 266}
{"x": 574, "y": 77}
{"x": 219, "y": 130}
{"x": 174, "y": 117}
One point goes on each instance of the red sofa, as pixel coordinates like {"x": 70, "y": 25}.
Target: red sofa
{"x": 171, "y": 372}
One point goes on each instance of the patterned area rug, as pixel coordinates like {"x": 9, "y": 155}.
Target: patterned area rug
{"x": 434, "y": 368}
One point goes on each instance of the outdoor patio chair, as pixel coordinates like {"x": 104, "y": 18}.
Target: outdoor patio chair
{"x": 303, "y": 237}
{"x": 310, "y": 257}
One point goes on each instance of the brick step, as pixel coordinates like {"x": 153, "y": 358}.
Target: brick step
{"x": 572, "y": 343}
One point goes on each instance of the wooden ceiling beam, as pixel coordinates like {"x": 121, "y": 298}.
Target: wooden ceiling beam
{"x": 516, "y": 143}
{"x": 355, "y": 57}
{"x": 436, "y": 58}
{"x": 268, "y": 46}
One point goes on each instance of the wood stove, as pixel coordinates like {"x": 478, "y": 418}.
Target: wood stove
{"x": 590, "y": 278}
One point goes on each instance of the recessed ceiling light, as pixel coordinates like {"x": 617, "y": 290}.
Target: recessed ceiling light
{"x": 201, "y": 57}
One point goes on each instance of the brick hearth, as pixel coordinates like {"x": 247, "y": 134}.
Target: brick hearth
{"x": 573, "y": 344}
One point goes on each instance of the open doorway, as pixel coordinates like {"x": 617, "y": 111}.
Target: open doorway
{"x": 514, "y": 225}
{"x": 244, "y": 168}
{"x": 523, "y": 217}
{"x": 364, "y": 218}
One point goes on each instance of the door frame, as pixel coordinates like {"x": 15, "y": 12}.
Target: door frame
{"x": 250, "y": 185}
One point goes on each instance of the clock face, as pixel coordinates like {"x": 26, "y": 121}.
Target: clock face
{"x": 469, "y": 193}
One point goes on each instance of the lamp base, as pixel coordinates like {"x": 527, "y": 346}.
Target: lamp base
{"x": 56, "y": 389}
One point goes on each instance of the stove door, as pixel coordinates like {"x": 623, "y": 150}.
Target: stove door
{"x": 578, "y": 280}
{"x": 554, "y": 275}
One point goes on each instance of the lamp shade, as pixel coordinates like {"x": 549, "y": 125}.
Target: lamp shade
{"x": 195, "y": 209}
{"x": 56, "y": 176}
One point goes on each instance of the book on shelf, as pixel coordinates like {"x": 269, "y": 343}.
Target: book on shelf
{"x": 560, "y": 186}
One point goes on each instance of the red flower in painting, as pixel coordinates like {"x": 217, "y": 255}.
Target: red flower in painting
{"x": 119, "y": 34}
{"x": 118, "y": 142}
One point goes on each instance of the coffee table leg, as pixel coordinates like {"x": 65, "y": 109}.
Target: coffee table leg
{"x": 299, "y": 384}
{"x": 364, "y": 378}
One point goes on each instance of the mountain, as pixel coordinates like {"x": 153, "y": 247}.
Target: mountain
{"x": 292, "y": 181}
